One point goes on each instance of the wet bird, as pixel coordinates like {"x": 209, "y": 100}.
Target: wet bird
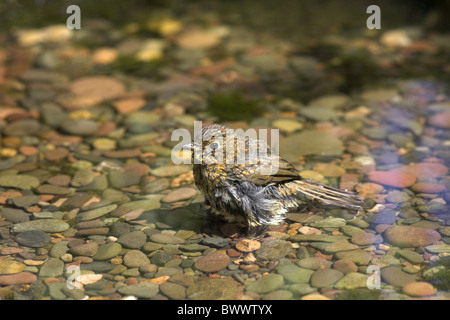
{"x": 243, "y": 181}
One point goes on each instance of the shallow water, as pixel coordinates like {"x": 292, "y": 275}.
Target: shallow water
{"x": 93, "y": 207}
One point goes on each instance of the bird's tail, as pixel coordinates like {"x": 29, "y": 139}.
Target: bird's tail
{"x": 330, "y": 196}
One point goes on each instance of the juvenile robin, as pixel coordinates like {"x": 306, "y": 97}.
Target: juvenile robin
{"x": 244, "y": 182}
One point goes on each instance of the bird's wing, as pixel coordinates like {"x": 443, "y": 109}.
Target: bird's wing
{"x": 267, "y": 170}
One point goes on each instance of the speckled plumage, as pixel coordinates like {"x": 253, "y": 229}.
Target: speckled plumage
{"x": 254, "y": 188}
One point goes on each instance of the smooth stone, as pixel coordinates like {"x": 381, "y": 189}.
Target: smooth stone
{"x": 278, "y": 295}
{"x": 295, "y": 274}
{"x": 133, "y": 240}
{"x": 17, "y": 278}
{"x": 173, "y": 291}
{"x": 438, "y": 248}
{"x": 19, "y": 181}
{"x": 329, "y": 223}
{"x": 359, "y": 257}
{"x": 135, "y": 258}
{"x": 147, "y": 205}
{"x": 424, "y": 170}
{"x": 144, "y": 290}
{"x": 166, "y": 239}
{"x": 266, "y": 283}
{"x": 180, "y": 194}
{"x": 212, "y": 289}
{"x": 107, "y": 251}
{"x": 87, "y": 249}
{"x": 407, "y": 236}
{"x": 53, "y": 267}
{"x": 46, "y": 225}
{"x": 287, "y": 125}
{"x": 310, "y": 143}
{"x": 351, "y": 230}
{"x": 392, "y": 178}
{"x": 152, "y": 246}
{"x": 25, "y": 201}
{"x": 325, "y": 278}
{"x": 170, "y": 171}
{"x": 33, "y": 239}
{"x": 353, "y": 280}
{"x": 216, "y": 242}
{"x": 428, "y": 187}
{"x": 317, "y": 113}
{"x": 14, "y": 215}
{"x": 11, "y": 266}
{"x": 364, "y": 239}
{"x": 317, "y": 238}
{"x": 397, "y": 196}
{"x": 82, "y": 177}
{"x": 52, "y": 189}
{"x": 339, "y": 246}
{"x": 97, "y": 266}
{"x": 411, "y": 256}
{"x": 301, "y": 288}
{"x": 22, "y": 127}
{"x": 120, "y": 179}
{"x": 273, "y": 249}
{"x": 96, "y": 213}
{"x": 80, "y": 127}
{"x": 345, "y": 266}
{"x": 59, "y": 249}
{"x": 329, "y": 170}
{"x": 419, "y": 289}
{"x": 394, "y": 275}
{"x": 212, "y": 262}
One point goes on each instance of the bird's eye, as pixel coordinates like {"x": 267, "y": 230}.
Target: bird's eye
{"x": 214, "y": 146}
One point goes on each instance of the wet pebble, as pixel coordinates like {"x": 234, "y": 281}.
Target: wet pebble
{"x": 419, "y": 289}
{"x": 407, "y": 236}
{"x": 324, "y": 278}
{"x": 180, "y": 194}
{"x": 212, "y": 289}
{"x": 363, "y": 239}
{"x": 46, "y": 225}
{"x": 17, "y": 278}
{"x": 135, "y": 258}
{"x": 266, "y": 283}
{"x": 212, "y": 263}
{"x": 33, "y": 238}
{"x": 11, "y": 266}
{"x": 82, "y": 127}
{"x": 133, "y": 240}
{"x": 395, "y": 276}
{"x": 107, "y": 251}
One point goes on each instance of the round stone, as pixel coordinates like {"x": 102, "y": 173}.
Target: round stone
{"x": 419, "y": 289}
{"x": 107, "y": 251}
{"x": 392, "y": 178}
{"x": 135, "y": 258}
{"x": 11, "y": 267}
{"x": 396, "y": 277}
{"x": 345, "y": 266}
{"x": 212, "y": 289}
{"x": 247, "y": 245}
{"x": 363, "y": 239}
{"x": 325, "y": 278}
{"x": 213, "y": 262}
{"x": 166, "y": 239}
{"x": 34, "y": 238}
{"x": 179, "y": 195}
{"x": 87, "y": 249}
{"x": 266, "y": 283}
{"x": 407, "y": 236}
{"x": 133, "y": 240}
{"x": 314, "y": 263}
{"x": 273, "y": 249}
{"x": 17, "y": 278}
{"x": 173, "y": 291}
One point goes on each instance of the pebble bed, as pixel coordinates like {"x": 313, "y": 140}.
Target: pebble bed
{"x": 91, "y": 206}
